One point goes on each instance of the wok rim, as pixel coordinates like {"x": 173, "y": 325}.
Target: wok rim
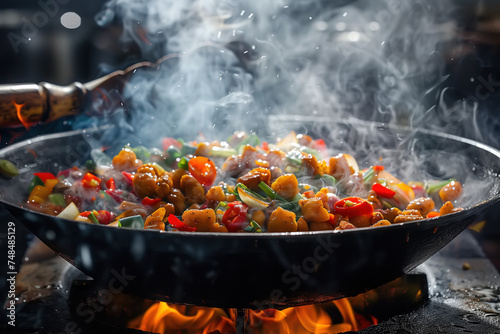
{"x": 467, "y": 212}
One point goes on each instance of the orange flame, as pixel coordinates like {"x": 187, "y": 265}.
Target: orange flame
{"x": 165, "y": 318}
{"x": 26, "y": 124}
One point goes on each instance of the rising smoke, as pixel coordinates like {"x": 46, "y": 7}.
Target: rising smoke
{"x": 242, "y": 61}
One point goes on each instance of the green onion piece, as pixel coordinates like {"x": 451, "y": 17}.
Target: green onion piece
{"x": 90, "y": 165}
{"x": 222, "y": 152}
{"x": 386, "y": 204}
{"x": 434, "y": 186}
{"x": 368, "y": 175}
{"x": 329, "y": 180}
{"x": 252, "y": 140}
{"x": 221, "y": 205}
{"x": 290, "y": 206}
{"x": 132, "y": 222}
{"x": 142, "y": 153}
{"x": 295, "y": 161}
{"x": 187, "y": 149}
{"x": 255, "y": 224}
{"x": 57, "y": 199}
{"x": 250, "y": 192}
{"x": 268, "y": 190}
{"x": 312, "y": 151}
{"x": 36, "y": 181}
{"x": 183, "y": 163}
{"x": 93, "y": 218}
{"x": 249, "y": 228}
{"x": 172, "y": 154}
{"x": 8, "y": 169}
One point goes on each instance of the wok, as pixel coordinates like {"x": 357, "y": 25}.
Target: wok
{"x": 251, "y": 270}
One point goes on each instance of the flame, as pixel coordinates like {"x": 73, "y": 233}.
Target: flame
{"x": 165, "y": 318}
{"x": 26, "y": 124}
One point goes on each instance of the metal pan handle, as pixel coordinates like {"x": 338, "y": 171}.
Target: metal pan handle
{"x": 46, "y": 102}
{"x": 42, "y": 102}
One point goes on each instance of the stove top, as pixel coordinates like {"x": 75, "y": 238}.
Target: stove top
{"x": 463, "y": 290}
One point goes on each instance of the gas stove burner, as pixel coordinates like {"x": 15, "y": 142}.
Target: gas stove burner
{"x": 455, "y": 290}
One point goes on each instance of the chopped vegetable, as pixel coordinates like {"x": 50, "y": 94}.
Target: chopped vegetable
{"x": 178, "y": 224}
{"x": 235, "y": 216}
{"x": 70, "y": 212}
{"x": 91, "y": 181}
{"x": 128, "y": 177}
{"x": 183, "y": 163}
{"x": 8, "y": 169}
{"x": 57, "y": 199}
{"x": 383, "y": 191}
{"x": 92, "y": 218}
{"x": 135, "y": 222}
{"x": 203, "y": 170}
{"x": 268, "y": 190}
{"x": 237, "y": 186}
{"x": 111, "y": 184}
{"x": 433, "y": 186}
{"x": 353, "y": 206}
{"x": 90, "y": 165}
{"x": 250, "y": 200}
{"x": 45, "y": 176}
{"x": 150, "y": 201}
{"x": 39, "y": 194}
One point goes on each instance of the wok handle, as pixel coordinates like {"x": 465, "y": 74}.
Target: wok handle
{"x": 46, "y": 102}
{"x": 37, "y": 103}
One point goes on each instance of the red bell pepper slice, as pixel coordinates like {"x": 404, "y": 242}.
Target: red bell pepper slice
{"x": 115, "y": 194}
{"x": 383, "y": 191}
{"x": 85, "y": 213}
{"x": 104, "y": 217}
{"x": 91, "y": 181}
{"x": 178, "y": 224}
{"x": 111, "y": 184}
{"x": 378, "y": 168}
{"x": 319, "y": 144}
{"x": 45, "y": 176}
{"x": 151, "y": 201}
{"x": 353, "y": 206}
{"x": 235, "y": 216}
{"x": 129, "y": 178}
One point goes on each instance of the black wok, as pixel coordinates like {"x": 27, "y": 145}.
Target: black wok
{"x": 261, "y": 270}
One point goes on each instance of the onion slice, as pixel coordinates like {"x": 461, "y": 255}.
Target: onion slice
{"x": 252, "y": 201}
{"x": 70, "y": 212}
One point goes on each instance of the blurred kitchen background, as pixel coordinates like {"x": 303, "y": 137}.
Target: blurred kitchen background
{"x": 59, "y": 41}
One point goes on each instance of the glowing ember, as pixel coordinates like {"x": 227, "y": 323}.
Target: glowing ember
{"x": 163, "y": 317}
{"x": 26, "y": 124}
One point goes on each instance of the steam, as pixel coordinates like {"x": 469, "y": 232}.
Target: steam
{"x": 241, "y": 61}
{"x": 239, "y": 65}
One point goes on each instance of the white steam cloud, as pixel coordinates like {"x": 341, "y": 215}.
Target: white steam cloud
{"x": 240, "y": 61}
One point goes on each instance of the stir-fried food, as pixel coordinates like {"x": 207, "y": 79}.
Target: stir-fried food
{"x": 239, "y": 185}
